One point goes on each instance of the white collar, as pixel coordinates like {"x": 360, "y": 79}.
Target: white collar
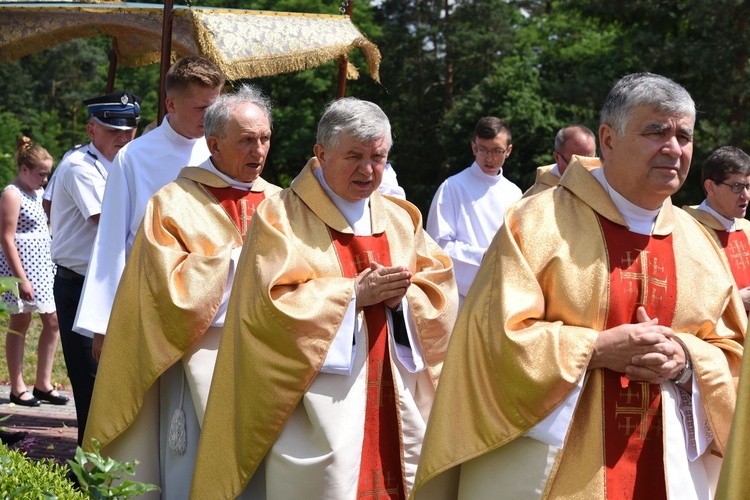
{"x": 237, "y": 184}
{"x": 639, "y": 219}
{"x": 356, "y": 213}
{"x": 173, "y": 135}
{"x": 729, "y": 224}
{"x": 477, "y": 170}
{"x": 555, "y": 171}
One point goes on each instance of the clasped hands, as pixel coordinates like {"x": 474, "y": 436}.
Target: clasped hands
{"x": 643, "y": 351}
{"x": 381, "y": 284}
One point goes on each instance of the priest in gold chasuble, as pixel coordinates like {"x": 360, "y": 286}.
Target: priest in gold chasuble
{"x": 335, "y": 336}
{"x": 159, "y": 352}
{"x": 726, "y": 182}
{"x": 575, "y": 140}
{"x": 598, "y": 352}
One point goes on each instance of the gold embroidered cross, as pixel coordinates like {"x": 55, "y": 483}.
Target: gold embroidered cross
{"x": 245, "y": 216}
{"x": 363, "y": 261}
{"x": 380, "y": 385}
{"x": 645, "y": 278}
{"x": 643, "y": 411}
{"x": 630, "y": 395}
{"x": 378, "y": 490}
{"x": 739, "y": 254}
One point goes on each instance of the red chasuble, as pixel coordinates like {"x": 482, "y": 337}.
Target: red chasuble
{"x": 736, "y": 247}
{"x": 642, "y": 273}
{"x": 380, "y": 474}
{"x": 240, "y": 205}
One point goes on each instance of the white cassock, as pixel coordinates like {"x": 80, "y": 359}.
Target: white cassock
{"x": 466, "y": 212}
{"x": 141, "y": 168}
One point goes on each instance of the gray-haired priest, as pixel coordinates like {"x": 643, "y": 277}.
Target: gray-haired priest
{"x": 598, "y": 357}
{"x": 159, "y": 352}
{"x": 335, "y": 335}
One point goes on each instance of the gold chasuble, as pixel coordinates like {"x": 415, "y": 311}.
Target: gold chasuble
{"x": 735, "y": 244}
{"x": 734, "y": 483}
{"x": 547, "y": 180}
{"x": 169, "y": 294}
{"x": 276, "y": 426}
{"x": 555, "y": 276}
{"x": 544, "y": 180}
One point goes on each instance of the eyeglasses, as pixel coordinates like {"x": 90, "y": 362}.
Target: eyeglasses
{"x": 738, "y": 187}
{"x": 566, "y": 160}
{"x": 481, "y": 150}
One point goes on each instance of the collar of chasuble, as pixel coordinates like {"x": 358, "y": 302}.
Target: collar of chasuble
{"x": 578, "y": 179}
{"x": 307, "y": 187}
{"x": 208, "y": 178}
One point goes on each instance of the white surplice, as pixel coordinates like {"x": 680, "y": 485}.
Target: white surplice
{"x": 466, "y": 212}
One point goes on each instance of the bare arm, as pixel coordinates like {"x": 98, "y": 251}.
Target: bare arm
{"x": 10, "y": 205}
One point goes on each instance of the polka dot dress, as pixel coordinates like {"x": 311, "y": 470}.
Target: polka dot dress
{"x": 32, "y": 242}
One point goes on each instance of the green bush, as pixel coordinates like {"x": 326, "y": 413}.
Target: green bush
{"x": 32, "y": 479}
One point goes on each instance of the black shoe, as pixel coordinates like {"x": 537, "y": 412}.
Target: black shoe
{"x": 11, "y": 438}
{"x": 24, "y": 402}
{"x": 50, "y": 398}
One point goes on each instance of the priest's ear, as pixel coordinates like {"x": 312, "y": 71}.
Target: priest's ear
{"x": 320, "y": 153}
{"x": 607, "y": 138}
{"x": 213, "y": 147}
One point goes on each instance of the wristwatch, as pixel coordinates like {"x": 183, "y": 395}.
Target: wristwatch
{"x": 687, "y": 372}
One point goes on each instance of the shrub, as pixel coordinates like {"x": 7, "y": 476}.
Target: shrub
{"x": 104, "y": 477}
{"x": 42, "y": 479}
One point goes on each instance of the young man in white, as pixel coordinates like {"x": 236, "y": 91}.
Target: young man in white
{"x": 139, "y": 170}
{"x": 468, "y": 208}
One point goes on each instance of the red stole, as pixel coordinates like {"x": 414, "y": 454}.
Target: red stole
{"x": 240, "y": 205}
{"x": 380, "y": 474}
{"x": 642, "y": 273}
{"x": 737, "y": 249}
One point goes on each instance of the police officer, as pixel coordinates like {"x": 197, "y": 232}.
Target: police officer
{"x": 76, "y": 205}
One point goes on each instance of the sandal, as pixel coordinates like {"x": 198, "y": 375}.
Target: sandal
{"x": 24, "y": 402}
{"x": 50, "y": 398}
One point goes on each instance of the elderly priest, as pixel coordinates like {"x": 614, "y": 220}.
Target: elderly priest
{"x": 335, "y": 334}
{"x": 161, "y": 343}
{"x": 597, "y": 358}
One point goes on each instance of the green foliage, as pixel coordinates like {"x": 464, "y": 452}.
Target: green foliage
{"x": 7, "y": 284}
{"x": 24, "y": 478}
{"x": 538, "y": 64}
{"x": 104, "y": 477}
{"x": 10, "y": 129}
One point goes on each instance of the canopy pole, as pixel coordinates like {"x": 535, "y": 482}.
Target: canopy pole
{"x": 112, "y": 69}
{"x": 343, "y": 63}
{"x": 166, "y": 55}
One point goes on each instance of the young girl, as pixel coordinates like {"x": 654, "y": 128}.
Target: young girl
{"x": 25, "y": 243}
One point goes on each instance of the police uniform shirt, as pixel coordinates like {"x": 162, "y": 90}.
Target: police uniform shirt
{"x": 78, "y": 194}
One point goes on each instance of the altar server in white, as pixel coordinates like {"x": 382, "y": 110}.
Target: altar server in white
{"x": 468, "y": 207}
{"x": 140, "y": 169}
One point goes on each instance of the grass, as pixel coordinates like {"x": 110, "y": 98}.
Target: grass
{"x": 59, "y": 373}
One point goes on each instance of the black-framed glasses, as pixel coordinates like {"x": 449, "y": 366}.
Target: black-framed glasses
{"x": 566, "y": 160}
{"x": 737, "y": 187}
{"x": 481, "y": 150}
